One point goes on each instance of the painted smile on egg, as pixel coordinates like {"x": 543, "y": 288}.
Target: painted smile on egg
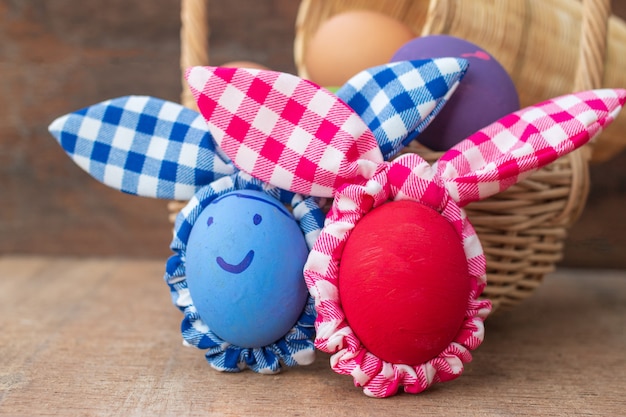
{"x": 247, "y": 260}
{"x": 238, "y": 268}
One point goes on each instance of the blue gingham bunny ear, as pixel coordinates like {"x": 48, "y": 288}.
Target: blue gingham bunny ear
{"x": 398, "y": 100}
{"x": 143, "y": 145}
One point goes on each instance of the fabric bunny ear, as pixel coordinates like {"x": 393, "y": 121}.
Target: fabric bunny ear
{"x": 142, "y": 145}
{"x": 284, "y": 130}
{"x": 399, "y": 100}
{"x": 510, "y": 149}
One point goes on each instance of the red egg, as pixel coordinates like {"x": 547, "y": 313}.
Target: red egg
{"x": 404, "y": 282}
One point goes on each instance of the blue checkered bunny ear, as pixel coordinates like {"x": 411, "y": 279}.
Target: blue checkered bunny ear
{"x": 143, "y": 145}
{"x": 398, "y": 100}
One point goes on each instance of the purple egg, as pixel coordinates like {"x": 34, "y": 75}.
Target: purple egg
{"x": 485, "y": 94}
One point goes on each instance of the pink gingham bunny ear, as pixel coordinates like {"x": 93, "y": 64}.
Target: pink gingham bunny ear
{"x": 284, "y": 130}
{"x": 510, "y": 149}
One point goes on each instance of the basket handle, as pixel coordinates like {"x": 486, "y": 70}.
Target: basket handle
{"x": 194, "y": 50}
{"x": 589, "y": 75}
{"x": 592, "y": 49}
{"x": 194, "y": 44}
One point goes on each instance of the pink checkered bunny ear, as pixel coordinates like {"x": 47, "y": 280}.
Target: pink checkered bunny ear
{"x": 505, "y": 152}
{"x": 284, "y": 130}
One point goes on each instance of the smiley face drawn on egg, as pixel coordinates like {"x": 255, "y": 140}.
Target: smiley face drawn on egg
{"x": 238, "y": 268}
{"x": 256, "y": 220}
{"x": 245, "y": 260}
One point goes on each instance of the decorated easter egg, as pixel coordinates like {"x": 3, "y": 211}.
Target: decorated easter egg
{"x": 350, "y": 42}
{"x": 245, "y": 257}
{"x": 244, "y": 64}
{"x": 404, "y": 282}
{"x": 485, "y": 94}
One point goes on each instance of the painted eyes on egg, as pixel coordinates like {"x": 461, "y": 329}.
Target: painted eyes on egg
{"x": 256, "y": 219}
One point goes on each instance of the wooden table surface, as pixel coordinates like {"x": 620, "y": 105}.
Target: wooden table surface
{"x": 99, "y": 337}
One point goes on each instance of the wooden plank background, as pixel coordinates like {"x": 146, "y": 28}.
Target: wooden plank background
{"x": 58, "y": 56}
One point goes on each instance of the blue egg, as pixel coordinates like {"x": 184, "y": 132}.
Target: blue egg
{"x": 245, "y": 257}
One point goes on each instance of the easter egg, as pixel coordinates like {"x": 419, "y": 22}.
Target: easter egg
{"x": 404, "y": 282}
{"x": 244, "y": 268}
{"x": 350, "y": 42}
{"x": 244, "y": 64}
{"x": 486, "y": 92}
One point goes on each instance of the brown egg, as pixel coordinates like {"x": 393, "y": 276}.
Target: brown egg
{"x": 350, "y": 42}
{"x": 244, "y": 64}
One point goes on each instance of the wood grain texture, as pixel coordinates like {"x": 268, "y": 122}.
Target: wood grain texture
{"x": 59, "y": 56}
{"x": 99, "y": 337}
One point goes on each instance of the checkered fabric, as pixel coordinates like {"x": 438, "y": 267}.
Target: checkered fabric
{"x": 510, "y": 149}
{"x": 500, "y": 154}
{"x": 282, "y": 129}
{"x": 398, "y": 101}
{"x": 154, "y": 148}
{"x": 296, "y": 347}
{"x": 142, "y": 145}
{"x": 407, "y": 177}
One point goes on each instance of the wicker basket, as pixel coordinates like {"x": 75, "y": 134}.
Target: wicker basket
{"x": 524, "y": 228}
{"x": 536, "y": 41}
